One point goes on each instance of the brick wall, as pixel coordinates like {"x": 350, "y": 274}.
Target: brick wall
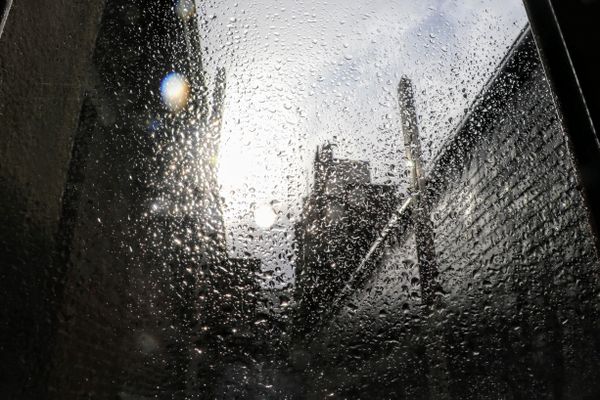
{"x": 517, "y": 265}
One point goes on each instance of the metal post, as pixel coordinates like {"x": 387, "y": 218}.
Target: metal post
{"x": 422, "y": 207}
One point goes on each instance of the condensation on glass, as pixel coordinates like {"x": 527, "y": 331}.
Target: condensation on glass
{"x": 289, "y": 200}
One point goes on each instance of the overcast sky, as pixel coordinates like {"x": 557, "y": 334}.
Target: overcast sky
{"x": 302, "y": 73}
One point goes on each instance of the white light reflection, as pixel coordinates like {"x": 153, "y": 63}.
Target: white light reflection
{"x": 264, "y": 216}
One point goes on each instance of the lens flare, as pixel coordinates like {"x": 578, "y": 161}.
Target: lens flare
{"x": 175, "y": 91}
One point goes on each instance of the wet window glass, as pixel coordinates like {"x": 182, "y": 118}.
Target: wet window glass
{"x": 208, "y": 199}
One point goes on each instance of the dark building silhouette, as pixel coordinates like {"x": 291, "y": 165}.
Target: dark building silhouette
{"x": 114, "y": 244}
{"x": 340, "y": 219}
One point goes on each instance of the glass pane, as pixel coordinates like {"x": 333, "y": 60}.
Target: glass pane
{"x": 288, "y": 200}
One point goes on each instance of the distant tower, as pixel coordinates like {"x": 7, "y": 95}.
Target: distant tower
{"x": 205, "y": 136}
{"x": 208, "y": 210}
{"x": 188, "y": 209}
{"x": 189, "y": 188}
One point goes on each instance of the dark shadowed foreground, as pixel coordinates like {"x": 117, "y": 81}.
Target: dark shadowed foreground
{"x": 469, "y": 272}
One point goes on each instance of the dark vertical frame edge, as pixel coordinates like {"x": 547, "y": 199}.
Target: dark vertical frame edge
{"x": 575, "y": 114}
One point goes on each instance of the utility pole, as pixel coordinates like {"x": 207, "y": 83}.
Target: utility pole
{"x": 428, "y": 270}
{"x": 435, "y": 360}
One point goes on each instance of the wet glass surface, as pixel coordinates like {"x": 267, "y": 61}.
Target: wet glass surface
{"x": 288, "y": 200}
